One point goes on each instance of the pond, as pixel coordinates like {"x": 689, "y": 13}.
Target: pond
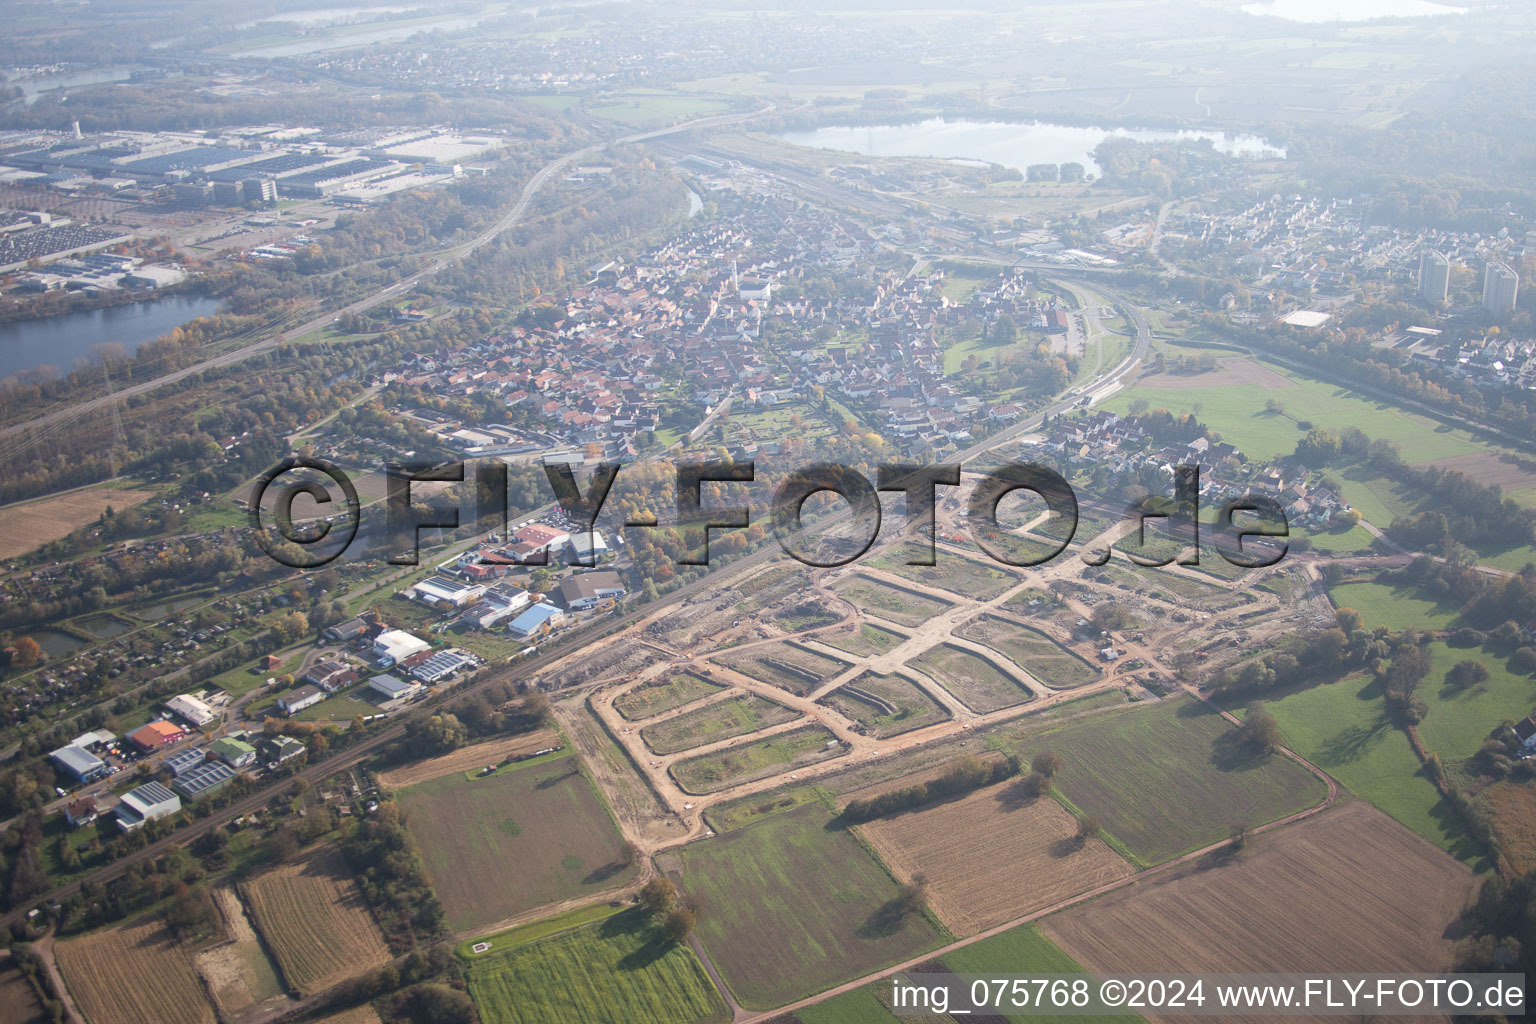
{"x": 58, "y": 341}
{"x": 103, "y": 627}
{"x": 57, "y": 644}
{"x": 160, "y": 609}
{"x": 1001, "y": 142}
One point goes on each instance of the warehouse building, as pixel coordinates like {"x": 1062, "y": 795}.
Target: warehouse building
{"x": 149, "y": 802}
{"x": 204, "y": 781}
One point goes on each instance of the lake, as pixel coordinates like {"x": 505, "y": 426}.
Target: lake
{"x": 1000, "y": 142}
{"x": 59, "y": 340}
{"x": 32, "y": 88}
{"x": 1349, "y": 10}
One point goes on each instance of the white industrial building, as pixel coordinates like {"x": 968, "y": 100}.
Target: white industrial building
{"x": 393, "y": 646}
{"x": 147, "y": 803}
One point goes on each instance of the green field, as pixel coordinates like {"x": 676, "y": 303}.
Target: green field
{"x": 974, "y": 680}
{"x": 1023, "y": 950}
{"x": 719, "y": 769}
{"x": 1032, "y": 650}
{"x": 713, "y": 722}
{"x": 914, "y": 708}
{"x": 620, "y": 970}
{"x": 520, "y": 839}
{"x": 1171, "y": 778}
{"x": 790, "y": 907}
{"x": 1397, "y": 608}
{"x": 663, "y": 694}
{"x": 903, "y": 607}
{"x": 866, "y": 641}
{"x": 1343, "y": 729}
{"x": 1458, "y": 722}
{"x": 1237, "y": 412}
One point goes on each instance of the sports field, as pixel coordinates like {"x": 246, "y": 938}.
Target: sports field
{"x": 1171, "y": 778}
{"x": 620, "y": 970}
{"x": 1343, "y": 728}
{"x": 519, "y": 839}
{"x": 790, "y": 907}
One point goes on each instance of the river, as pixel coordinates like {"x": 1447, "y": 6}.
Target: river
{"x": 59, "y": 340}
{"x": 1000, "y": 142}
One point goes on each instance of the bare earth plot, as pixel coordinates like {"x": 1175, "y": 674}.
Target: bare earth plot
{"x": 886, "y": 705}
{"x": 519, "y": 839}
{"x": 664, "y": 693}
{"x": 721, "y": 720}
{"x": 32, "y": 524}
{"x": 313, "y": 919}
{"x": 237, "y": 972}
{"x": 974, "y": 680}
{"x": 133, "y": 974}
{"x": 990, "y": 857}
{"x": 18, "y": 1001}
{"x": 1347, "y": 890}
{"x": 887, "y": 601}
{"x": 748, "y": 762}
{"x": 1231, "y": 373}
{"x": 1032, "y": 650}
{"x": 467, "y": 759}
{"x": 785, "y": 665}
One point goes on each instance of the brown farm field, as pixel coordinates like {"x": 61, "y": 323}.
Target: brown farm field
{"x": 31, "y": 524}
{"x": 18, "y": 1001}
{"x": 1513, "y": 807}
{"x": 1229, "y": 373}
{"x": 133, "y": 974}
{"x": 312, "y": 918}
{"x": 364, "y": 1014}
{"x": 1347, "y": 890}
{"x": 991, "y": 857}
{"x": 498, "y": 846}
{"x": 1490, "y": 468}
{"x": 469, "y": 758}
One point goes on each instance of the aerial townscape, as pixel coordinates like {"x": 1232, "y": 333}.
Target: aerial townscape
{"x": 414, "y": 610}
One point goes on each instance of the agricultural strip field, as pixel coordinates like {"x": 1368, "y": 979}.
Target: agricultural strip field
{"x": 993, "y": 855}
{"x": 955, "y": 573}
{"x": 978, "y": 683}
{"x": 1171, "y": 778}
{"x": 364, "y": 1014}
{"x": 895, "y": 604}
{"x": 912, "y": 707}
{"x": 864, "y": 641}
{"x": 1002, "y": 955}
{"x": 786, "y": 665}
{"x": 1032, "y": 650}
{"x": 519, "y": 839}
{"x": 465, "y": 759}
{"x": 720, "y": 769}
{"x": 790, "y": 907}
{"x": 663, "y": 694}
{"x": 27, "y": 525}
{"x": 313, "y": 919}
{"x": 721, "y": 720}
{"x": 1344, "y": 729}
{"x": 1397, "y": 608}
{"x": 1347, "y": 890}
{"x": 133, "y": 974}
{"x": 621, "y": 970}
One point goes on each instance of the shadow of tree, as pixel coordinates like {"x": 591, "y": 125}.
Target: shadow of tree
{"x": 656, "y": 948}
{"x": 602, "y": 874}
{"x": 1352, "y": 743}
{"x": 885, "y": 921}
